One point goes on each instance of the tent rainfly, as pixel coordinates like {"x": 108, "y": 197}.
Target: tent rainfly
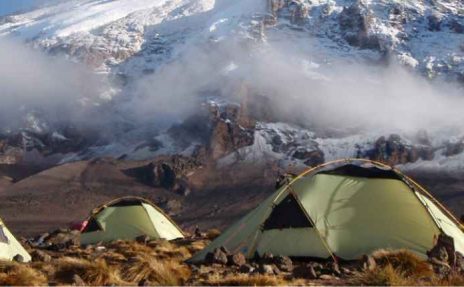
{"x": 342, "y": 209}
{"x": 10, "y": 247}
{"x": 127, "y": 218}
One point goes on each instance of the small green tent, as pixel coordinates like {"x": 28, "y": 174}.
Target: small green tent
{"x": 10, "y": 247}
{"x": 127, "y": 218}
{"x": 346, "y": 209}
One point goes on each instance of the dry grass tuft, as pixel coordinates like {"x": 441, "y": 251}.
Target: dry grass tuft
{"x": 15, "y": 274}
{"x": 246, "y": 280}
{"x": 156, "y": 272}
{"x": 383, "y": 276}
{"x": 405, "y": 262}
{"x": 129, "y": 248}
{"x": 396, "y": 268}
{"x": 96, "y": 272}
{"x": 453, "y": 279}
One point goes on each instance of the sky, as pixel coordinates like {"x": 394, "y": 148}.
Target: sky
{"x": 12, "y": 6}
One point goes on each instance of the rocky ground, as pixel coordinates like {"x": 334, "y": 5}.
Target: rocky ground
{"x": 58, "y": 259}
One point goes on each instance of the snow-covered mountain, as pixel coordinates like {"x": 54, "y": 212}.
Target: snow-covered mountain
{"x": 190, "y": 53}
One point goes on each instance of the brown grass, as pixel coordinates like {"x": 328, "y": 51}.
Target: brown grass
{"x": 129, "y": 248}
{"x": 15, "y": 274}
{"x": 246, "y": 280}
{"x": 405, "y": 262}
{"x": 396, "y": 268}
{"x": 96, "y": 272}
{"x": 383, "y": 276}
{"x": 453, "y": 279}
{"x": 156, "y": 272}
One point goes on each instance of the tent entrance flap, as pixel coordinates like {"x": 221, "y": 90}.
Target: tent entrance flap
{"x": 287, "y": 214}
{"x": 92, "y": 226}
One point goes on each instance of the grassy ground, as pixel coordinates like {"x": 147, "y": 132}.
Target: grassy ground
{"x": 162, "y": 263}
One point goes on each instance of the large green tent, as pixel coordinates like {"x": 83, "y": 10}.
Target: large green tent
{"x": 127, "y": 218}
{"x": 10, "y": 247}
{"x": 346, "y": 209}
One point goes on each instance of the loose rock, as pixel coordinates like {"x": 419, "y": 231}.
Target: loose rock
{"x": 266, "y": 269}
{"x": 305, "y": 272}
{"x": 237, "y": 259}
{"x": 216, "y": 257}
{"x": 40, "y": 256}
{"x": 246, "y": 268}
{"x": 284, "y": 263}
{"x": 77, "y": 281}
{"x": 143, "y": 239}
{"x": 368, "y": 263}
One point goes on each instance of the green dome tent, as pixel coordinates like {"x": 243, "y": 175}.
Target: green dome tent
{"x": 127, "y": 218}
{"x": 10, "y": 247}
{"x": 343, "y": 209}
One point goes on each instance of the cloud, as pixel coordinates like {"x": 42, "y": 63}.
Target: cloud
{"x": 347, "y": 97}
{"x": 34, "y": 83}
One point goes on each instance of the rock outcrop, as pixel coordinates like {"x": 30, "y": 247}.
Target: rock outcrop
{"x": 356, "y": 25}
{"x": 393, "y": 150}
{"x": 168, "y": 172}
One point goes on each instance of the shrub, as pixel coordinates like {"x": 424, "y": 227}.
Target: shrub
{"x": 156, "y": 272}
{"x": 16, "y": 274}
{"x": 96, "y": 272}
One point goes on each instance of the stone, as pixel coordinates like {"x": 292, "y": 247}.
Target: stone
{"x": 181, "y": 187}
{"x": 144, "y": 282}
{"x": 57, "y": 247}
{"x": 246, "y": 268}
{"x": 284, "y": 263}
{"x": 434, "y": 22}
{"x": 335, "y": 268}
{"x": 368, "y": 263}
{"x": 225, "y": 250}
{"x": 443, "y": 250}
{"x": 40, "y": 256}
{"x": 266, "y": 269}
{"x": 305, "y": 272}
{"x": 275, "y": 269}
{"x": 459, "y": 262}
{"x": 143, "y": 239}
{"x": 41, "y": 239}
{"x": 356, "y": 23}
{"x": 457, "y": 27}
{"x": 77, "y": 281}
{"x": 100, "y": 248}
{"x": 346, "y": 271}
{"x": 197, "y": 233}
{"x": 328, "y": 277}
{"x": 267, "y": 258}
{"x": 18, "y": 258}
{"x": 237, "y": 259}
{"x": 442, "y": 269}
{"x": 216, "y": 257}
